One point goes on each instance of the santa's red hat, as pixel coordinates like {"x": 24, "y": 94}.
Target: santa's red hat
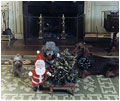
{"x": 39, "y": 56}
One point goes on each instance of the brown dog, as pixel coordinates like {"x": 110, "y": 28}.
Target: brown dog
{"x": 109, "y": 67}
{"x": 81, "y": 50}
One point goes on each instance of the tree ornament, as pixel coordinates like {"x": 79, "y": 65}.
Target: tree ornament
{"x": 84, "y": 63}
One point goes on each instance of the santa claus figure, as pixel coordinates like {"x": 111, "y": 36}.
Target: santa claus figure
{"x": 39, "y": 72}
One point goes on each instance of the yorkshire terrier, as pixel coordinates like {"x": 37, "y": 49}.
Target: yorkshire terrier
{"x": 17, "y": 65}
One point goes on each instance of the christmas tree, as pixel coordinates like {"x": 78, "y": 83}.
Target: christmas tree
{"x": 63, "y": 69}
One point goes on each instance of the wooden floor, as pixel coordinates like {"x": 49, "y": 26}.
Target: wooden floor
{"x": 18, "y": 46}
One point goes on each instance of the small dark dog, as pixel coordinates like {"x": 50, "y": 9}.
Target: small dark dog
{"x": 109, "y": 67}
{"x": 50, "y": 51}
{"x": 17, "y": 65}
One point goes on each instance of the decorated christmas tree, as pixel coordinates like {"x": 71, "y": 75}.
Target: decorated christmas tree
{"x": 63, "y": 70}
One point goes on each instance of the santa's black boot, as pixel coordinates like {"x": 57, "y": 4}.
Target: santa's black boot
{"x": 40, "y": 87}
{"x": 35, "y": 88}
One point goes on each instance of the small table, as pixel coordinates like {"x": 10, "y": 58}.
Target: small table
{"x": 7, "y": 38}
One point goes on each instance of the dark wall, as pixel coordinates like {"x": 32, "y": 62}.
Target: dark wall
{"x": 49, "y": 8}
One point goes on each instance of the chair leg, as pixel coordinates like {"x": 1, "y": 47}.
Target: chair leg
{"x": 10, "y": 37}
{"x": 9, "y": 41}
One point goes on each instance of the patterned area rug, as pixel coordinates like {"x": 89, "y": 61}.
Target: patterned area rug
{"x": 90, "y": 88}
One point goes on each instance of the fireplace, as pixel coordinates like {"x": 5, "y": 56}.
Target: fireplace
{"x": 59, "y": 21}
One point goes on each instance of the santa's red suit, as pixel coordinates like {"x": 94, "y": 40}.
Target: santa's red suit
{"x": 39, "y": 72}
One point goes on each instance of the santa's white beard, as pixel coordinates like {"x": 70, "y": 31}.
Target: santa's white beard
{"x": 40, "y": 71}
